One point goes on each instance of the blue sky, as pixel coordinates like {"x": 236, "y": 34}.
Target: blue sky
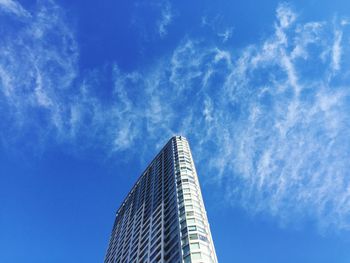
{"x": 90, "y": 91}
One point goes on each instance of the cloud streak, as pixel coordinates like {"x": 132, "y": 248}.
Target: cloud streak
{"x": 269, "y": 121}
{"x": 37, "y": 68}
{"x": 165, "y": 20}
{"x": 283, "y": 145}
{"x": 13, "y": 7}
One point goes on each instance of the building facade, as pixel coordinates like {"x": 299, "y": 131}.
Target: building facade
{"x": 163, "y": 218}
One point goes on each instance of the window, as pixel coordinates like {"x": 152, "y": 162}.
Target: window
{"x": 200, "y": 222}
{"x": 196, "y": 255}
{"x": 192, "y": 228}
{"x": 184, "y": 241}
{"x": 186, "y": 249}
{"x": 191, "y": 213}
{"x": 194, "y": 246}
{"x": 193, "y": 236}
{"x": 188, "y": 201}
{"x": 203, "y": 238}
{"x": 187, "y": 259}
{"x": 190, "y": 221}
{"x": 189, "y": 207}
{"x": 202, "y": 230}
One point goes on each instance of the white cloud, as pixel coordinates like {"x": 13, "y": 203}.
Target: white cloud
{"x": 277, "y": 131}
{"x": 285, "y": 15}
{"x": 226, "y": 35}
{"x": 165, "y": 20}
{"x": 34, "y": 73}
{"x": 13, "y": 7}
{"x": 267, "y": 122}
{"x": 208, "y": 110}
{"x": 336, "y": 50}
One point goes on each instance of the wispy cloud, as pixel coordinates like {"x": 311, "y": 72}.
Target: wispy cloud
{"x": 226, "y": 35}
{"x": 285, "y": 15}
{"x": 278, "y": 135}
{"x": 336, "y": 50}
{"x": 288, "y": 147}
{"x": 269, "y": 122}
{"x": 216, "y": 24}
{"x": 36, "y": 74}
{"x": 165, "y": 20}
{"x": 13, "y": 7}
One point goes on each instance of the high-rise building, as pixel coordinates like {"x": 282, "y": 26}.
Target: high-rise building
{"x": 163, "y": 218}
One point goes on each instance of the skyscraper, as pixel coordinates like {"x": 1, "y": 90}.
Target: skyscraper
{"x": 163, "y": 218}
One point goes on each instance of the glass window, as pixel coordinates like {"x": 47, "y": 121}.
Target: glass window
{"x": 190, "y": 221}
{"x": 186, "y": 249}
{"x": 202, "y": 230}
{"x": 184, "y": 241}
{"x": 187, "y": 259}
{"x": 203, "y": 238}
{"x": 196, "y": 255}
{"x": 191, "y": 213}
{"x": 188, "y": 201}
{"x": 192, "y": 228}
{"x": 193, "y": 236}
{"x": 194, "y": 246}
